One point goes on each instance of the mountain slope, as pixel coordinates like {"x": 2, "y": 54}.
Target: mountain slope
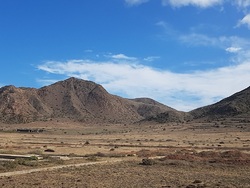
{"x": 85, "y": 101}
{"x": 236, "y": 105}
{"x": 74, "y": 99}
{"x": 20, "y": 105}
{"x": 154, "y": 111}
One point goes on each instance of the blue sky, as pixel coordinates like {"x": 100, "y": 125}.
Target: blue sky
{"x": 183, "y": 53}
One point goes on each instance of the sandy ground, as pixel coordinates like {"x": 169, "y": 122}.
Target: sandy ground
{"x": 181, "y": 144}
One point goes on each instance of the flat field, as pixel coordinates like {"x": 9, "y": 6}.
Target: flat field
{"x": 197, "y": 154}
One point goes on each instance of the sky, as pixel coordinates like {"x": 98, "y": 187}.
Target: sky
{"x": 183, "y": 53}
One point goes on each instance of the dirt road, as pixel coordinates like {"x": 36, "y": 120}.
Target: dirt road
{"x": 57, "y": 167}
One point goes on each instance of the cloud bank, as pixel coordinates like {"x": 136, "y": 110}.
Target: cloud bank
{"x": 183, "y": 91}
{"x": 242, "y": 4}
{"x": 180, "y": 3}
{"x": 198, "y": 3}
{"x": 245, "y": 21}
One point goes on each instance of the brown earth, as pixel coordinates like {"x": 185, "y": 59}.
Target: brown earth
{"x": 85, "y": 101}
{"x": 74, "y": 99}
{"x": 237, "y": 105}
{"x": 132, "y": 174}
{"x": 153, "y": 155}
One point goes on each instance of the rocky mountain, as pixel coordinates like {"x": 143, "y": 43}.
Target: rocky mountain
{"x": 153, "y": 111}
{"x": 86, "y": 101}
{"x": 77, "y": 100}
{"x": 237, "y": 105}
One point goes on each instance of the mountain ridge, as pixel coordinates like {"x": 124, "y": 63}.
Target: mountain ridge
{"x": 86, "y": 101}
{"x": 234, "y": 105}
{"x": 75, "y": 99}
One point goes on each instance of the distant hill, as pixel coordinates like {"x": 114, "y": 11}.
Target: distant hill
{"x": 86, "y": 101}
{"x": 74, "y": 99}
{"x": 237, "y": 105}
{"x": 155, "y": 112}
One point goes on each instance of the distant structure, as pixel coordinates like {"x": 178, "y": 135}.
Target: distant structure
{"x": 30, "y": 130}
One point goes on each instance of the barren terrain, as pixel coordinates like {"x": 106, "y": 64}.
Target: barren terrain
{"x": 211, "y": 154}
{"x": 75, "y": 134}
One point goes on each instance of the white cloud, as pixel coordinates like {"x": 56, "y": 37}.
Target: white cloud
{"x": 242, "y": 3}
{"x": 245, "y": 21}
{"x": 197, "y": 39}
{"x": 135, "y": 2}
{"x": 88, "y": 51}
{"x": 122, "y": 57}
{"x": 233, "y": 49}
{"x": 181, "y": 91}
{"x": 151, "y": 58}
{"x": 232, "y": 44}
{"x": 180, "y": 3}
{"x": 198, "y": 3}
{"x": 237, "y": 44}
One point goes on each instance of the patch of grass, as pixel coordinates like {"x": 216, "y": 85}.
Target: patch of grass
{"x": 72, "y": 155}
{"x": 26, "y": 162}
{"x": 36, "y": 152}
{"x": 10, "y": 152}
{"x": 55, "y": 160}
{"x": 34, "y": 158}
{"x": 8, "y": 165}
{"x": 151, "y": 153}
{"x": 92, "y": 158}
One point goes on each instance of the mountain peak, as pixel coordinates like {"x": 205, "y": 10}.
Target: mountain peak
{"x": 86, "y": 101}
{"x": 10, "y": 89}
{"x": 75, "y": 99}
{"x": 73, "y": 79}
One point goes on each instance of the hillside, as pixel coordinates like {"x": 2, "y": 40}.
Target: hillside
{"x": 86, "y": 101}
{"x": 237, "y": 105}
{"x": 74, "y": 99}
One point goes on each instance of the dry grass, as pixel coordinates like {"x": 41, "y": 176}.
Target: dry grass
{"x": 196, "y": 155}
{"x": 132, "y": 174}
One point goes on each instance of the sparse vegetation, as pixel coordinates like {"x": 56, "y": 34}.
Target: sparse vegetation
{"x": 49, "y": 150}
{"x": 210, "y": 151}
{"x": 147, "y": 161}
{"x": 87, "y": 142}
{"x": 7, "y": 165}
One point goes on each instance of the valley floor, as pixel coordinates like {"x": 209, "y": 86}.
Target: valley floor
{"x": 132, "y": 174}
{"x": 159, "y": 155}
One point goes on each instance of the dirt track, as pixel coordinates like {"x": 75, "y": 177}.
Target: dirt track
{"x": 127, "y": 174}
{"x": 57, "y": 167}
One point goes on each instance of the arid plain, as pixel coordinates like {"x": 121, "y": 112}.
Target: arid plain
{"x": 211, "y": 154}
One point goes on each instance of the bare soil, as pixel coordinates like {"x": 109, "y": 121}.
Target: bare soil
{"x": 153, "y": 155}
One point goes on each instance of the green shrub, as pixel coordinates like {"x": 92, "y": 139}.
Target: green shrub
{"x": 33, "y": 158}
